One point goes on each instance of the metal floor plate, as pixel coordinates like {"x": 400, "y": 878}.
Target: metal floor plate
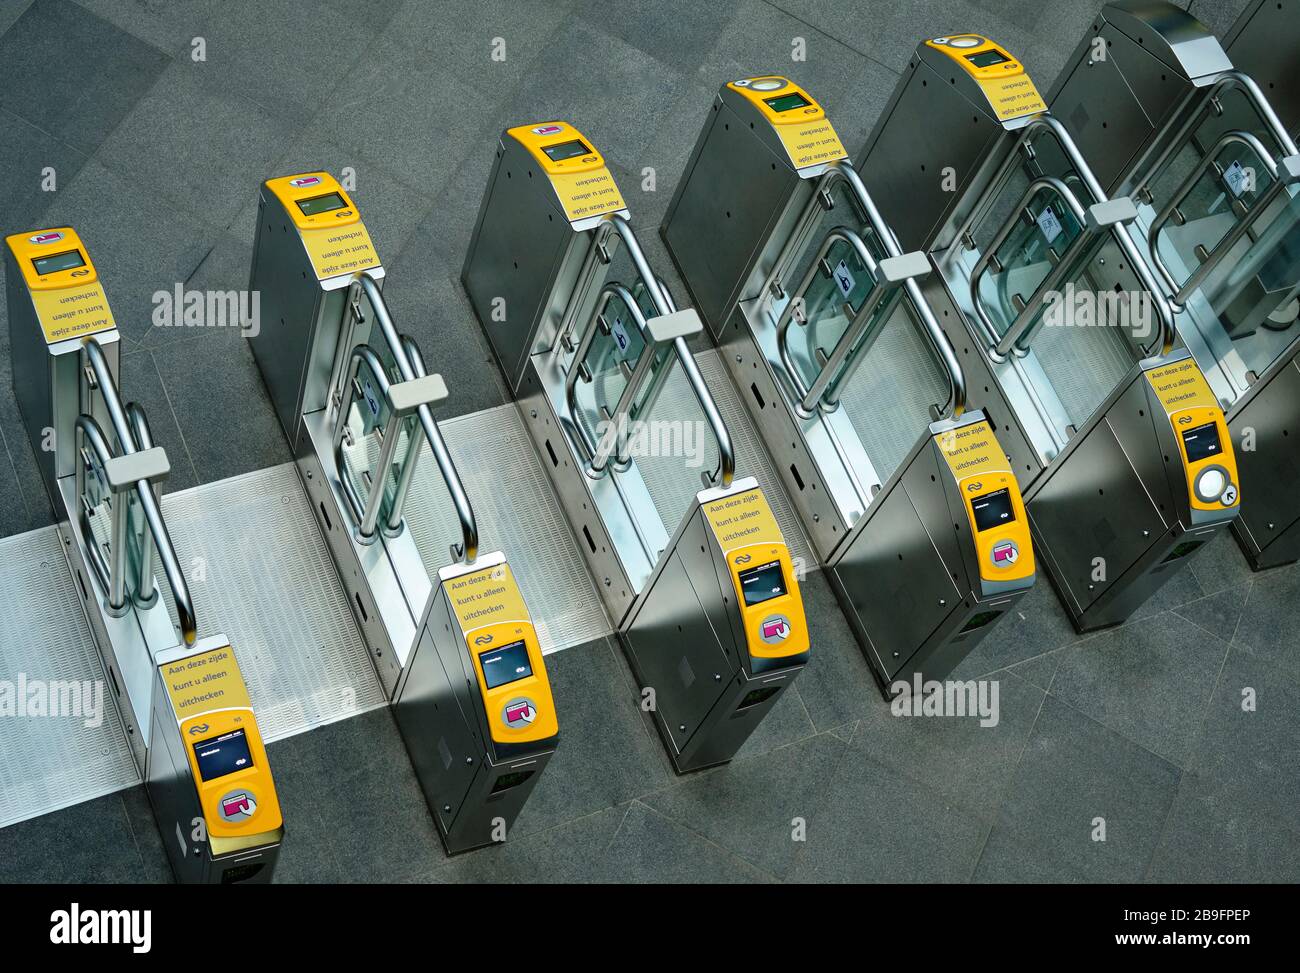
{"x": 1083, "y": 365}
{"x": 51, "y": 762}
{"x": 518, "y": 514}
{"x": 261, "y": 574}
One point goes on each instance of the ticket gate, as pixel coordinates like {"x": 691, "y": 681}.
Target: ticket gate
{"x": 699, "y": 583}
{"x": 458, "y": 657}
{"x": 208, "y": 763}
{"x": 101, "y": 471}
{"x": 1120, "y": 447}
{"x": 856, "y": 388}
{"x": 1215, "y": 175}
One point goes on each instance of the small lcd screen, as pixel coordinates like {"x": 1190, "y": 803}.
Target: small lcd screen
{"x": 1202, "y": 442}
{"x": 762, "y": 583}
{"x": 566, "y": 150}
{"x": 58, "y": 261}
{"x": 787, "y": 102}
{"x": 985, "y": 59}
{"x": 506, "y": 664}
{"x": 321, "y": 204}
{"x": 223, "y": 755}
{"x": 992, "y": 509}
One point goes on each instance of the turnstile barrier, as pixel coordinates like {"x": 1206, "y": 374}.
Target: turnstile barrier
{"x": 356, "y": 403}
{"x": 102, "y": 472}
{"x": 1061, "y": 324}
{"x": 714, "y": 633}
{"x": 852, "y": 382}
{"x": 1170, "y": 120}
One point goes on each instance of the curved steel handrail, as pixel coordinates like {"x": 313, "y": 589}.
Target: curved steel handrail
{"x": 838, "y": 234}
{"x": 663, "y": 304}
{"x": 162, "y": 540}
{"x": 1229, "y": 79}
{"x": 467, "y": 550}
{"x": 939, "y": 343}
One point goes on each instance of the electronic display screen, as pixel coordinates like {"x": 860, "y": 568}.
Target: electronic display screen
{"x": 787, "y": 102}
{"x": 58, "y": 261}
{"x": 762, "y": 583}
{"x": 985, "y": 59}
{"x": 506, "y": 664}
{"x": 223, "y": 755}
{"x": 321, "y": 204}
{"x": 566, "y": 150}
{"x": 993, "y": 509}
{"x": 1202, "y": 442}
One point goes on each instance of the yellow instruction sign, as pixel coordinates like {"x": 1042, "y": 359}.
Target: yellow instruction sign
{"x": 1012, "y": 97}
{"x": 72, "y": 312}
{"x": 811, "y": 143}
{"x": 587, "y": 193}
{"x": 205, "y": 683}
{"x": 486, "y": 597}
{"x": 339, "y": 250}
{"x": 743, "y": 519}
{"x": 972, "y": 449}
{"x": 1181, "y": 385}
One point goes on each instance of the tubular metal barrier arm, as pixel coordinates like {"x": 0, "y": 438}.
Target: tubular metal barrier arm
{"x": 939, "y": 343}
{"x": 411, "y": 367}
{"x": 1165, "y": 337}
{"x": 1053, "y": 126}
{"x": 726, "y": 456}
{"x": 145, "y": 591}
{"x": 367, "y": 513}
{"x": 811, "y": 396}
{"x": 126, "y": 434}
{"x": 467, "y": 551}
{"x": 838, "y": 234}
{"x": 663, "y": 304}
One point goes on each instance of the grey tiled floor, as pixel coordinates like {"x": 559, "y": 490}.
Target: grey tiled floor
{"x": 158, "y": 158}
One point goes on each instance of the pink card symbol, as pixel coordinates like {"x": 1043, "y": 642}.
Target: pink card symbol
{"x": 519, "y": 713}
{"x": 1005, "y": 553}
{"x": 775, "y": 628}
{"x": 236, "y": 805}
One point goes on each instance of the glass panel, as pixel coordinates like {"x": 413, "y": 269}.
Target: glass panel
{"x": 367, "y": 416}
{"x": 830, "y": 304}
{"x": 97, "y": 501}
{"x": 1254, "y": 297}
{"x": 1219, "y": 199}
{"x": 1043, "y": 232}
{"x": 645, "y": 398}
{"x": 611, "y": 357}
{"x": 139, "y": 553}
